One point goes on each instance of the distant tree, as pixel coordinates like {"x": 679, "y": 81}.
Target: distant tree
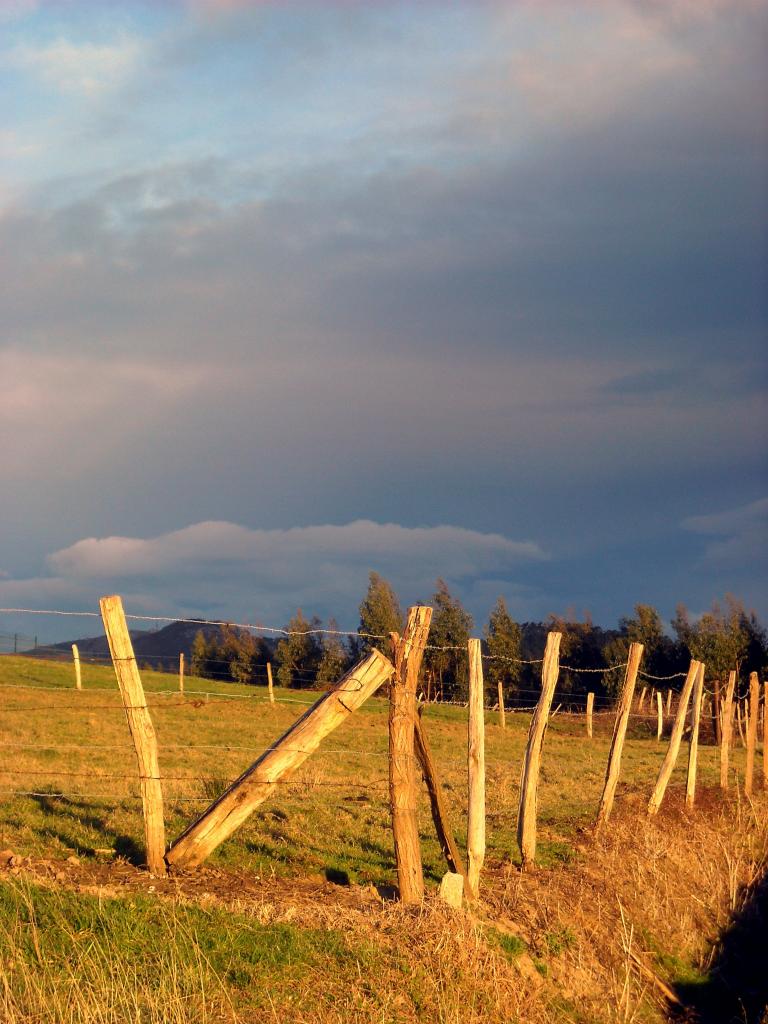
{"x": 580, "y": 647}
{"x": 645, "y": 628}
{"x": 335, "y": 658}
{"x": 447, "y": 670}
{"x": 502, "y": 641}
{"x": 720, "y": 638}
{"x": 239, "y": 649}
{"x": 298, "y": 655}
{"x": 380, "y": 613}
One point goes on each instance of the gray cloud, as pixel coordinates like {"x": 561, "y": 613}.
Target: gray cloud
{"x": 740, "y": 535}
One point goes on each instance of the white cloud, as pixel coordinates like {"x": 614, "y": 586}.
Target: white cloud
{"x": 742, "y": 533}
{"x": 87, "y": 69}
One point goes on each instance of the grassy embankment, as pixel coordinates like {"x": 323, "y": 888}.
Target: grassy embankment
{"x": 541, "y": 948}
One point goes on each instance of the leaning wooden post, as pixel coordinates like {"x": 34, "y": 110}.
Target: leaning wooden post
{"x": 641, "y": 701}
{"x": 502, "y": 716}
{"x": 140, "y": 726}
{"x": 76, "y": 659}
{"x": 278, "y": 762}
{"x": 181, "y": 672}
{"x": 529, "y": 778}
{"x": 619, "y": 733}
{"x": 476, "y": 766}
{"x": 590, "y": 709}
{"x": 409, "y": 651}
{"x": 754, "y": 713}
{"x": 675, "y": 738}
{"x": 726, "y": 729}
{"x": 436, "y": 801}
{"x": 659, "y": 716}
{"x": 693, "y": 747}
{"x": 269, "y": 684}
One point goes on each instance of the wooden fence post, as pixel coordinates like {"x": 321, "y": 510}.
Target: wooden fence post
{"x": 693, "y": 747}
{"x": 659, "y": 717}
{"x": 140, "y": 726}
{"x": 437, "y": 804}
{"x": 754, "y": 714}
{"x": 278, "y": 762}
{"x": 590, "y": 709}
{"x": 619, "y": 732}
{"x": 669, "y": 702}
{"x": 181, "y": 672}
{"x": 739, "y": 726}
{"x": 529, "y": 777}
{"x": 675, "y": 738}
{"x": 641, "y": 701}
{"x": 409, "y": 651}
{"x": 269, "y": 683}
{"x": 502, "y": 716}
{"x": 717, "y": 718}
{"x": 76, "y": 659}
{"x": 726, "y": 729}
{"x": 476, "y": 769}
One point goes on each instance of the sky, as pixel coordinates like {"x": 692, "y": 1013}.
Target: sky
{"x": 293, "y": 291}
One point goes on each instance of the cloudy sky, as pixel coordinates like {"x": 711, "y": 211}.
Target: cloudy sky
{"x": 293, "y": 291}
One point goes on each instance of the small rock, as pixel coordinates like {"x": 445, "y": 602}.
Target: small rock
{"x": 452, "y": 889}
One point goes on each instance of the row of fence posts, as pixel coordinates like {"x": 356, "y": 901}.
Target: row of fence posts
{"x": 408, "y": 748}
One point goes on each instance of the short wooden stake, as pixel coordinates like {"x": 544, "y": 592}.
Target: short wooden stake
{"x": 641, "y": 701}
{"x": 675, "y": 739}
{"x": 754, "y": 714}
{"x": 476, "y": 770}
{"x": 76, "y": 659}
{"x": 669, "y": 702}
{"x": 717, "y": 714}
{"x": 590, "y": 709}
{"x": 659, "y": 716}
{"x": 619, "y": 732}
{"x": 529, "y": 778}
{"x": 269, "y": 683}
{"x": 408, "y": 654}
{"x": 502, "y": 716}
{"x": 693, "y": 747}
{"x": 726, "y": 729}
{"x": 436, "y": 801}
{"x": 181, "y": 672}
{"x": 278, "y": 762}
{"x": 140, "y": 726}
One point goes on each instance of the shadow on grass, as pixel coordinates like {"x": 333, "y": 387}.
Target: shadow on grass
{"x": 736, "y": 989}
{"x": 81, "y": 813}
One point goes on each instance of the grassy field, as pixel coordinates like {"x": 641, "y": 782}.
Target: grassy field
{"x": 226, "y": 946}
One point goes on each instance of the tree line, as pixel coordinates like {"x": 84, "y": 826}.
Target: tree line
{"x": 727, "y": 637}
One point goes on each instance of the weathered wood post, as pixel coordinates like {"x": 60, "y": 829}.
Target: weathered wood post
{"x": 619, "y": 733}
{"x": 659, "y": 716}
{"x": 502, "y": 716}
{"x": 693, "y": 747}
{"x": 279, "y": 762}
{"x": 476, "y": 769}
{"x": 669, "y": 702}
{"x": 269, "y": 684}
{"x": 754, "y": 714}
{"x": 765, "y": 735}
{"x": 181, "y": 672}
{"x": 437, "y": 803}
{"x": 590, "y": 709}
{"x": 675, "y": 738}
{"x": 76, "y": 659}
{"x": 726, "y": 729}
{"x": 141, "y": 729}
{"x": 641, "y": 701}
{"x": 408, "y": 654}
{"x": 529, "y": 778}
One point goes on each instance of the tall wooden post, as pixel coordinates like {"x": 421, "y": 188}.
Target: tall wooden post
{"x": 76, "y": 659}
{"x": 619, "y": 732}
{"x": 269, "y": 684}
{"x": 590, "y": 708}
{"x": 476, "y": 769}
{"x": 278, "y": 762}
{"x": 181, "y": 672}
{"x": 502, "y": 716}
{"x": 726, "y": 729}
{"x": 408, "y": 654}
{"x": 754, "y": 713}
{"x": 529, "y": 779}
{"x": 659, "y": 716}
{"x": 141, "y": 729}
{"x": 693, "y": 747}
{"x": 675, "y": 738}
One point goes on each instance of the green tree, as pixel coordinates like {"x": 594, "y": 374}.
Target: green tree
{"x": 645, "y": 628}
{"x": 720, "y": 638}
{"x": 335, "y": 658}
{"x": 380, "y": 613}
{"x": 502, "y": 641}
{"x": 240, "y": 650}
{"x": 199, "y": 664}
{"x": 447, "y": 670}
{"x": 298, "y": 654}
